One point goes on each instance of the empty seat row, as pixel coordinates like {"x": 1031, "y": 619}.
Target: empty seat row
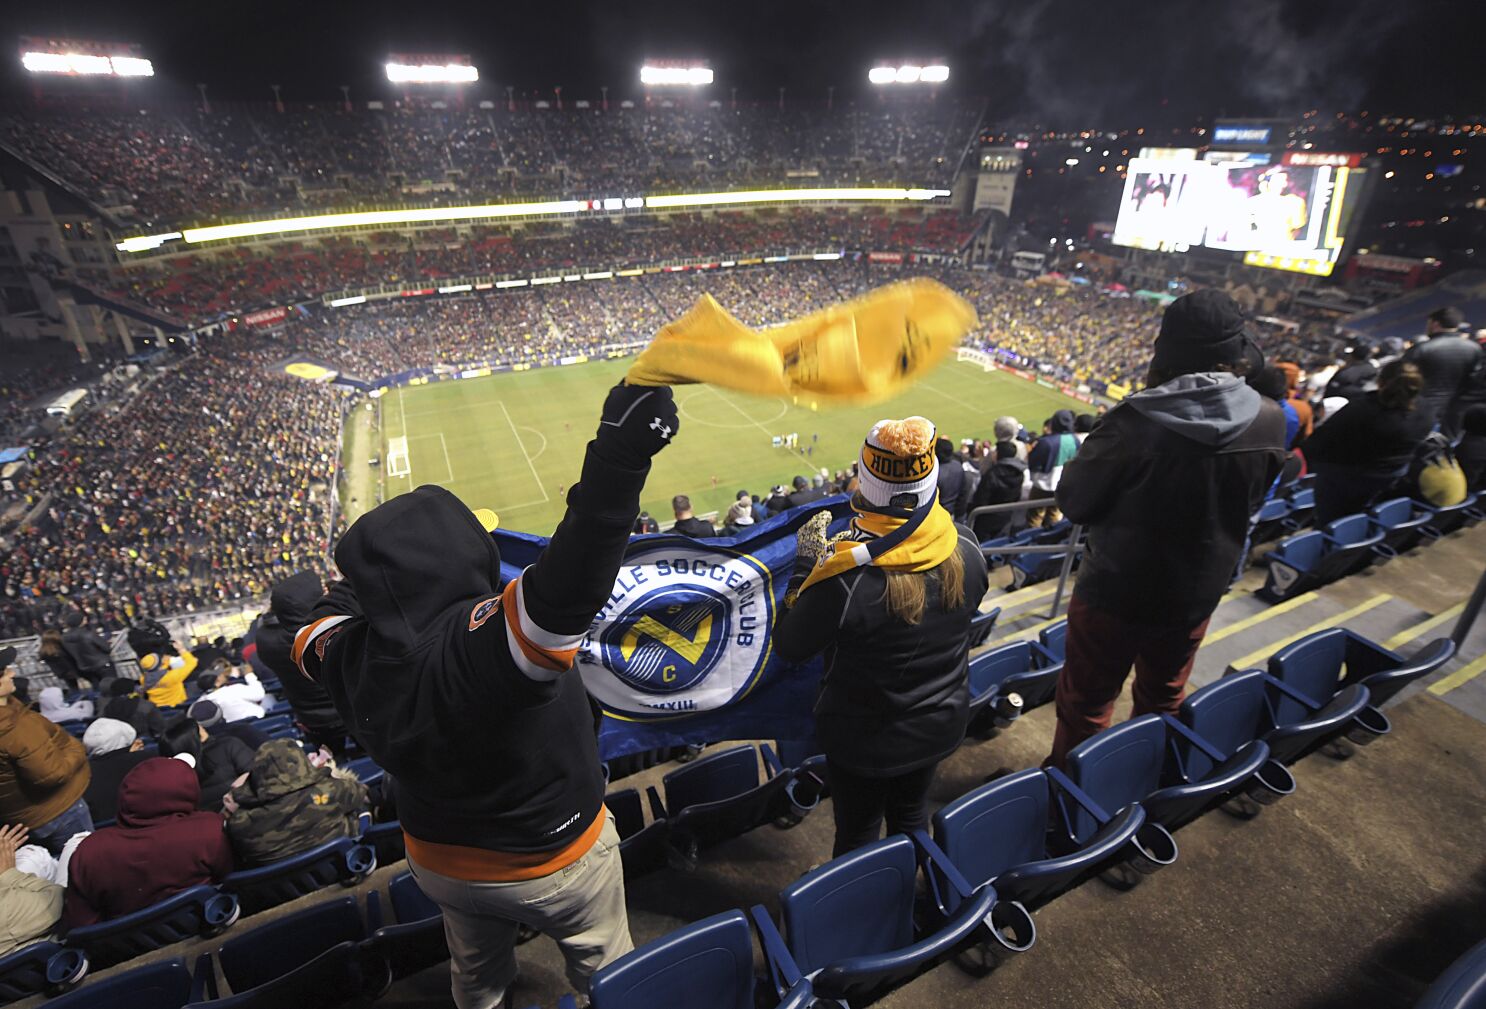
{"x": 1306, "y": 560}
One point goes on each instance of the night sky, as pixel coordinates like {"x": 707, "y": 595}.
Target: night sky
{"x": 1061, "y": 62}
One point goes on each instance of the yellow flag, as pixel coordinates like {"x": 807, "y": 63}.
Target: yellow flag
{"x": 862, "y": 350}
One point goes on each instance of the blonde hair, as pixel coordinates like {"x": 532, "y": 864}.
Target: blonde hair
{"x": 907, "y": 593}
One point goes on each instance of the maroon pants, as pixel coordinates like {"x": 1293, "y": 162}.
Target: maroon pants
{"x": 1100, "y": 650}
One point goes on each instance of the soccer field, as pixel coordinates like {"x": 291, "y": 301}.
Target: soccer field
{"x": 514, "y": 442}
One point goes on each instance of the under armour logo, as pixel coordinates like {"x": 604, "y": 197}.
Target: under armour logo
{"x": 664, "y": 429}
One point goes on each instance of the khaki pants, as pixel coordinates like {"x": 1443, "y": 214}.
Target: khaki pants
{"x": 581, "y": 906}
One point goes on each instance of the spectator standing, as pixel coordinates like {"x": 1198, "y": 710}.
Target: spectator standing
{"x": 29, "y": 905}
{"x": 951, "y": 478}
{"x": 778, "y": 500}
{"x": 288, "y": 610}
{"x": 1447, "y": 361}
{"x": 288, "y": 806}
{"x": 43, "y": 770}
{"x": 1368, "y": 446}
{"x": 804, "y": 494}
{"x": 688, "y": 524}
{"x": 165, "y": 675}
{"x": 1046, "y": 461}
{"x": 466, "y": 695}
{"x": 113, "y": 751}
{"x": 1003, "y": 482}
{"x": 57, "y": 659}
{"x": 1166, "y": 485}
{"x": 894, "y": 699}
{"x": 1009, "y": 429}
{"x": 160, "y": 846}
{"x": 89, "y": 650}
{"x": 239, "y": 696}
{"x": 127, "y": 703}
{"x": 646, "y": 524}
{"x": 1355, "y": 378}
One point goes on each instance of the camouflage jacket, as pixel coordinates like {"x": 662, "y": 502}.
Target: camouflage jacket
{"x": 288, "y": 806}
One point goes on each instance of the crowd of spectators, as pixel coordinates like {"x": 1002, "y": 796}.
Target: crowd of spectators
{"x": 167, "y": 168}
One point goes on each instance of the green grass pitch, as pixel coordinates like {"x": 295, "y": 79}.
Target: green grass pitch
{"x": 514, "y": 442}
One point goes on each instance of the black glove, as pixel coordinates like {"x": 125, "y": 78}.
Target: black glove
{"x": 638, "y": 421}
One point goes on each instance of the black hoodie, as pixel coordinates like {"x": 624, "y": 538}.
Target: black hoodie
{"x": 462, "y": 691}
{"x": 289, "y": 609}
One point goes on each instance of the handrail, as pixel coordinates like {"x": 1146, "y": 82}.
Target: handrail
{"x": 1469, "y": 614}
{"x": 1068, "y": 549}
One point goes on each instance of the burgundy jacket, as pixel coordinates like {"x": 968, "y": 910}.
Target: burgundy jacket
{"x": 161, "y": 845}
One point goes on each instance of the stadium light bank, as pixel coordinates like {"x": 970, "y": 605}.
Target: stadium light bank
{"x": 87, "y": 65}
{"x": 435, "y": 70}
{"x": 495, "y": 211}
{"x": 657, "y": 73}
{"x": 909, "y": 73}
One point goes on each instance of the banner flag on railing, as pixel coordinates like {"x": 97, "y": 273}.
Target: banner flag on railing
{"x": 682, "y": 651}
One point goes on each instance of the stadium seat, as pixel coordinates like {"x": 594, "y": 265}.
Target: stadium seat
{"x": 310, "y": 957}
{"x": 1029, "y": 569}
{"x": 1317, "y": 661}
{"x": 981, "y": 625}
{"x": 642, "y": 845}
{"x": 1023, "y": 668}
{"x": 1310, "y": 559}
{"x": 386, "y": 840}
{"x": 165, "y": 984}
{"x": 270, "y": 723}
{"x": 39, "y": 968}
{"x": 1404, "y": 522}
{"x": 416, "y": 941}
{"x": 1448, "y": 518}
{"x": 1462, "y": 985}
{"x": 197, "y": 911}
{"x": 849, "y": 924}
{"x": 1144, "y": 760}
{"x": 705, "y": 965}
{"x": 1054, "y": 639}
{"x": 342, "y": 861}
{"x": 998, "y": 834}
{"x": 75, "y": 726}
{"x": 1302, "y": 500}
{"x": 1271, "y": 521}
{"x": 720, "y": 796}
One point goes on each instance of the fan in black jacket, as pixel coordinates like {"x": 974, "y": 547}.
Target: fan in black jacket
{"x": 464, "y": 692}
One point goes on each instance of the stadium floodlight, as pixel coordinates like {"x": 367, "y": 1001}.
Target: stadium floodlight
{"x": 909, "y": 73}
{"x": 661, "y": 74}
{"x": 790, "y": 196}
{"x": 144, "y": 243}
{"x": 432, "y": 73}
{"x": 87, "y": 65}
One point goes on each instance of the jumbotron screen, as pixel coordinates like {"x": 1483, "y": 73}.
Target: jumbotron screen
{"x": 1290, "y": 212}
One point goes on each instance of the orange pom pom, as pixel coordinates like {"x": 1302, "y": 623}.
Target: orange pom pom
{"x": 910, "y": 437}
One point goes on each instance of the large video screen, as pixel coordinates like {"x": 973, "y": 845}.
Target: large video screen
{"x": 1290, "y": 214}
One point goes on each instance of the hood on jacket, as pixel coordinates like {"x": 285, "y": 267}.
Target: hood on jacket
{"x": 157, "y": 789}
{"x": 1062, "y": 422}
{"x": 411, "y": 559}
{"x": 279, "y": 768}
{"x": 294, "y": 597}
{"x": 1211, "y": 408}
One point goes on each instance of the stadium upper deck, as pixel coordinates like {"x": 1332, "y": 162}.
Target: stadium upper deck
{"x": 160, "y": 168}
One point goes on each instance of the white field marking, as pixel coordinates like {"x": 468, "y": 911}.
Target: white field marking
{"x": 538, "y": 453}
{"x": 741, "y": 411}
{"x": 399, "y": 460}
{"x": 448, "y": 466}
{"x": 681, "y": 409}
{"x": 531, "y": 465}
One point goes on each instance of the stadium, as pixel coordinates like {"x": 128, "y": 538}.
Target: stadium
{"x": 433, "y": 520}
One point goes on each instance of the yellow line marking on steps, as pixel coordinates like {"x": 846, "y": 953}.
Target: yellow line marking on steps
{"x": 1461, "y": 676}
{"x": 1403, "y": 637}
{"x": 1329, "y": 622}
{"x": 1258, "y": 618}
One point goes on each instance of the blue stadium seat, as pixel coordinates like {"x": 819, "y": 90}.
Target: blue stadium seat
{"x": 1318, "y": 661}
{"x": 39, "y": 968}
{"x": 196, "y": 911}
{"x": 1029, "y": 569}
{"x": 75, "y": 726}
{"x": 342, "y": 861}
{"x": 642, "y": 846}
{"x": 1054, "y": 639}
{"x": 720, "y": 796}
{"x": 165, "y": 984}
{"x": 1307, "y": 560}
{"x": 1302, "y": 498}
{"x": 1271, "y": 521}
{"x": 989, "y": 547}
{"x": 998, "y": 834}
{"x": 311, "y": 957}
{"x": 705, "y": 965}
{"x": 1147, "y": 760}
{"x": 1448, "y": 518}
{"x": 1403, "y": 522}
{"x": 271, "y": 723}
{"x": 290, "y": 731}
{"x": 416, "y": 941}
{"x": 1462, "y": 985}
{"x": 981, "y": 626}
{"x": 850, "y": 923}
{"x": 386, "y": 840}
{"x": 1022, "y": 668}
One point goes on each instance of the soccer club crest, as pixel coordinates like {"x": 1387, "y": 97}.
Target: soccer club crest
{"x": 685, "y": 630}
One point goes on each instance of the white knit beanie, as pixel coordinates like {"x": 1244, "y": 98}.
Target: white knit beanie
{"x": 898, "y": 458}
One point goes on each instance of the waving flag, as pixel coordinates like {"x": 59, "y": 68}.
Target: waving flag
{"x": 681, "y": 651}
